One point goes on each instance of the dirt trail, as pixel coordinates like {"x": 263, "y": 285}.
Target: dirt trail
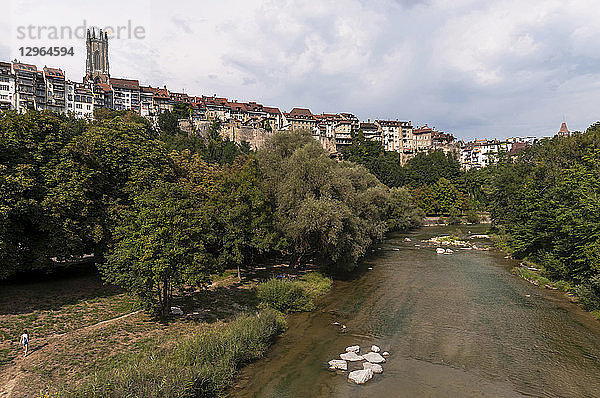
{"x": 10, "y": 376}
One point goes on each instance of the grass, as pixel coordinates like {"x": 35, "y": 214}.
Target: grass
{"x": 92, "y": 360}
{"x": 537, "y": 278}
{"x": 202, "y": 364}
{"x": 287, "y": 295}
{"x": 224, "y": 275}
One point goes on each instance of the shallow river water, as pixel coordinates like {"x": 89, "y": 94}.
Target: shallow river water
{"x": 457, "y": 325}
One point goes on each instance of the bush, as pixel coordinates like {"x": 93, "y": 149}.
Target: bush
{"x": 292, "y": 296}
{"x": 472, "y": 217}
{"x": 454, "y": 217}
{"x": 588, "y": 299}
{"x": 200, "y": 366}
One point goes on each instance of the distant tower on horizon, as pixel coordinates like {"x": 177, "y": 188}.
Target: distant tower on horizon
{"x": 96, "y": 63}
{"x": 564, "y": 131}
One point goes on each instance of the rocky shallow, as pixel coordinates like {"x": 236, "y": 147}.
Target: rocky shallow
{"x": 371, "y": 365}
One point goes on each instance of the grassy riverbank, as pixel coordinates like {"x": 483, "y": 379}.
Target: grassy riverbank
{"x": 89, "y": 340}
{"x": 537, "y": 275}
{"x": 201, "y": 364}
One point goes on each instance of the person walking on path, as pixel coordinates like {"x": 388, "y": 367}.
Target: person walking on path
{"x": 24, "y": 342}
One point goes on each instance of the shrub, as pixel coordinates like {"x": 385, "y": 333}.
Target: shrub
{"x": 202, "y": 365}
{"x": 454, "y": 217}
{"x": 588, "y": 299}
{"x": 292, "y": 296}
{"x": 472, "y": 217}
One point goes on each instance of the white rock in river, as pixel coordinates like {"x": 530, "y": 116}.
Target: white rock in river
{"x": 353, "y": 348}
{"x": 376, "y": 368}
{"x": 373, "y": 357}
{"x": 440, "y": 250}
{"x": 338, "y": 364}
{"x": 386, "y": 354}
{"x": 374, "y": 348}
{"x": 360, "y": 376}
{"x": 351, "y": 356}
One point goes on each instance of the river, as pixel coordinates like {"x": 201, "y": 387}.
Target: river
{"x": 457, "y": 325}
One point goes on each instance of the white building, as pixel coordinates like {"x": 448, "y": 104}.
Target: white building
{"x": 482, "y": 153}
{"x": 80, "y": 100}
{"x": 391, "y": 131}
{"x": 7, "y": 87}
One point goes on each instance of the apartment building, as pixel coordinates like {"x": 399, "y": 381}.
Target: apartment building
{"x": 55, "y": 90}
{"x": 25, "y": 86}
{"x": 482, "y": 153}
{"x": 391, "y": 133}
{"x": 125, "y": 94}
{"x": 7, "y": 86}
{"x": 301, "y": 119}
{"x": 80, "y": 100}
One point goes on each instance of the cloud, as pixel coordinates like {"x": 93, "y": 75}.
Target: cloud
{"x": 472, "y": 67}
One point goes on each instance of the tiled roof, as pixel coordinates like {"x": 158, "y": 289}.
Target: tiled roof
{"x": 125, "y": 83}
{"x": 368, "y": 126}
{"x": 563, "y": 129}
{"x": 388, "y": 123}
{"x": 24, "y": 67}
{"x": 272, "y": 110}
{"x": 53, "y": 72}
{"x": 300, "y": 113}
{"x": 103, "y": 87}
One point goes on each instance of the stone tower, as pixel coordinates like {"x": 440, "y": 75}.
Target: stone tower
{"x": 96, "y": 63}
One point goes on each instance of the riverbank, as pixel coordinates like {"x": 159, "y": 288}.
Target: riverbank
{"x": 82, "y": 330}
{"x": 536, "y": 275}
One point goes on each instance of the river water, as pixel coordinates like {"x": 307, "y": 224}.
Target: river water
{"x": 457, "y": 325}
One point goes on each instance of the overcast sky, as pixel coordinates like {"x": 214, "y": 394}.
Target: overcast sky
{"x": 473, "y": 68}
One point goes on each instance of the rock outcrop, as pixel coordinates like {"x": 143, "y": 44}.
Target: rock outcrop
{"x": 376, "y": 368}
{"x": 360, "y": 376}
{"x": 373, "y": 357}
{"x": 351, "y": 356}
{"x": 338, "y": 364}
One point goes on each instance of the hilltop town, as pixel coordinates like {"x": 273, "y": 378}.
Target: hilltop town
{"x": 25, "y": 86}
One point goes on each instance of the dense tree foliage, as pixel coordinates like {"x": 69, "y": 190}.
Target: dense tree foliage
{"x": 545, "y": 204}
{"x": 159, "y": 246}
{"x": 435, "y": 179}
{"x": 158, "y": 209}
{"x": 327, "y": 209}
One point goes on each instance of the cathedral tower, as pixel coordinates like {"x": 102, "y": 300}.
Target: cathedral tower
{"x": 96, "y": 64}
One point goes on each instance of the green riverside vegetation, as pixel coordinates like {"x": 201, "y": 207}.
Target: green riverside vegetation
{"x": 201, "y": 365}
{"x": 545, "y": 207}
{"x": 159, "y": 210}
{"x": 287, "y": 295}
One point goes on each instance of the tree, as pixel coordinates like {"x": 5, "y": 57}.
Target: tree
{"x": 427, "y": 169}
{"x": 546, "y": 201}
{"x": 94, "y": 174}
{"x": 332, "y": 211}
{"x": 403, "y": 213}
{"x": 245, "y": 214}
{"x": 28, "y": 144}
{"x": 158, "y": 246}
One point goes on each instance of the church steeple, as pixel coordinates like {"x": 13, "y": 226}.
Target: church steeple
{"x": 96, "y": 64}
{"x": 564, "y": 131}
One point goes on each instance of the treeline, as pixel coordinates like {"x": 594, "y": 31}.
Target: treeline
{"x": 159, "y": 209}
{"x": 436, "y": 181}
{"x": 545, "y": 207}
